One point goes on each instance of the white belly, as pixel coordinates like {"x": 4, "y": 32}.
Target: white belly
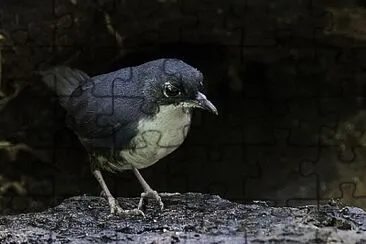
{"x": 159, "y": 136}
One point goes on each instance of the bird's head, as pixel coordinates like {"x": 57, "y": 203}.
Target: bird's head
{"x": 175, "y": 83}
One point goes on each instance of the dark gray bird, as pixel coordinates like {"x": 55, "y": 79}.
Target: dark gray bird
{"x": 131, "y": 118}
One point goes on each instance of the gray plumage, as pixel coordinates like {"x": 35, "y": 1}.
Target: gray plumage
{"x": 99, "y": 108}
{"x": 132, "y": 117}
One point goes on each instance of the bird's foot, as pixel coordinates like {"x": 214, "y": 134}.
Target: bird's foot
{"x": 152, "y": 194}
{"x": 102, "y": 194}
{"x": 117, "y": 210}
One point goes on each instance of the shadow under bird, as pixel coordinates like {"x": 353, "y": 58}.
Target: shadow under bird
{"x": 130, "y": 118}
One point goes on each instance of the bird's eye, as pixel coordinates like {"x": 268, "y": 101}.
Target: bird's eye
{"x": 170, "y": 90}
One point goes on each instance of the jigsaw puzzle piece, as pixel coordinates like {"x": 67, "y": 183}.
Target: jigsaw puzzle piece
{"x": 24, "y": 58}
{"x": 113, "y": 94}
{"x": 146, "y": 23}
{"x": 196, "y": 30}
{"x": 70, "y": 17}
{"x": 352, "y": 193}
{"x": 36, "y": 16}
{"x": 239, "y": 169}
{"x": 275, "y": 160}
{"x": 306, "y": 122}
{"x": 91, "y": 110}
{"x": 186, "y": 170}
{"x": 112, "y": 91}
{"x": 198, "y": 167}
{"x": 169, "y": 68}
{"x": 345, "y": 21}
{"x": 73, "y": 16}
{"x": 349, "y": 133}
{"x": 329, "y": 172}
{"x": 143, "y": 30}
{"x": 260, "y": 34}
{"x": 305, "y": 119}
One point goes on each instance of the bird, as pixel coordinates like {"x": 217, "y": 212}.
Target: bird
{"x": 130, "y": 118}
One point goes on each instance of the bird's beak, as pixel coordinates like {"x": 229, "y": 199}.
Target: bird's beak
{"x": 204, "y": 103}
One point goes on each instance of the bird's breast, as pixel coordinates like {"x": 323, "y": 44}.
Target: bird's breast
{"x": 158, "y": 136}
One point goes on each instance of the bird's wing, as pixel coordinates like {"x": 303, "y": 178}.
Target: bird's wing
{"x": 105, "y": 110}
{"x": 105, "y": 122}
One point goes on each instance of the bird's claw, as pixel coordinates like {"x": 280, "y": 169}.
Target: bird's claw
{"x": 115, "y": 209}
{"x": 152, "y": 194}
{"x": 102, "y": 194}
{"x": 131, "y": 212}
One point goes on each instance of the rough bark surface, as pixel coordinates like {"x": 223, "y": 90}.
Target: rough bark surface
{"x": 188, "y": 218}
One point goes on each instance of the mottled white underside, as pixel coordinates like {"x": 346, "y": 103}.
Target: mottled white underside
{"x": 158, "y": 137}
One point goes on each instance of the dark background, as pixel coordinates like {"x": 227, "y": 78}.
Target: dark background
{"x": 288, "y": 78}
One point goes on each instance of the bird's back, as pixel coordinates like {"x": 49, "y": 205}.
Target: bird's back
{"x": 99, "y": 109}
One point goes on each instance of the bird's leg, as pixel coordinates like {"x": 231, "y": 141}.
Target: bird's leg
{"x": 148, "y": 192}
{"x": 113, "y": 204}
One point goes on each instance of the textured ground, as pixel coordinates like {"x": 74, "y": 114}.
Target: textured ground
{"x": 190, "y": 217}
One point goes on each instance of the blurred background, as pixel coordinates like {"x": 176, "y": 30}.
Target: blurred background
{"x": 288, "y": 78}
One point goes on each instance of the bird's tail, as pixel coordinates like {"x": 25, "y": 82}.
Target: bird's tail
{"x": 63, "y": 81}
